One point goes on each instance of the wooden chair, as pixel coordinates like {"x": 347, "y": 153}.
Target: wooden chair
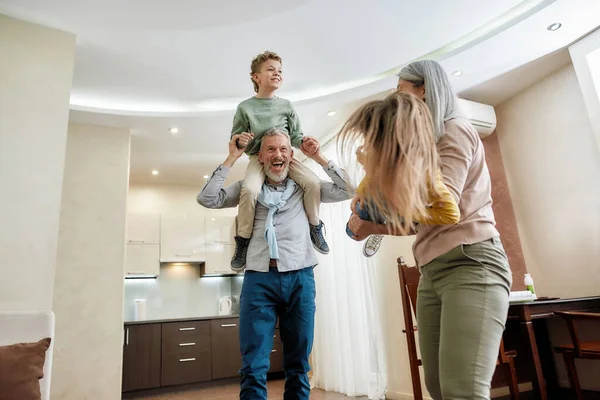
{"x": 409, "y": 283}
{"x": 578, "y": 349}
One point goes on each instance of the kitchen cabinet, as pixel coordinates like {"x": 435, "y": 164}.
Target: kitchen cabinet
{"x": 276, "y": 353}
{"x": 186, "y": 352}
{"x": 141, "y": 357}
{"x": 142, "y": 259}
{"x": 182, "y": 239}
{"x": 218, "y": 258}
{"x": 220, "y": 244}
{"x": 143, "y": 228}
{"x": 225, "y": 348}
{"x": 220, "y": 229}
{"x": 176, "y": 352}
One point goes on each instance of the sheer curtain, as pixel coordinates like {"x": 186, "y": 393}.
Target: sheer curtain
{"x": 348, "y": 354}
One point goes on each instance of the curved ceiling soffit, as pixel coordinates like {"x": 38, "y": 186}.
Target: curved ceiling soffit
{"x": 513, "y": 16}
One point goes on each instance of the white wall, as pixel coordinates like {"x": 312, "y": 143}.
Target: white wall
{"x": 586, "y": 59}
{"x": 88, "y": 295}
{"x": 390, "y": 301}
{"x": 36, "y": 69}
{"x": 552, "y": 165}
{"x": 553, "y": 169}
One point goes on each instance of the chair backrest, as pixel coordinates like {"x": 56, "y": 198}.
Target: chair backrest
{"x": 29, "y": 327}
{"x": 409, "y": 278}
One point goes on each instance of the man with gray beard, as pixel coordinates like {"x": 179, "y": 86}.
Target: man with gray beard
{"x": 279, "y": 280}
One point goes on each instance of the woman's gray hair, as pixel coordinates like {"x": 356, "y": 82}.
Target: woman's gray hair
{"x": 439, "y": 94}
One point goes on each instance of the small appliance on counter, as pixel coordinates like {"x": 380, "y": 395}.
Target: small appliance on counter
{"x": 225, "y": 306}
{"x": 139, "y": 310}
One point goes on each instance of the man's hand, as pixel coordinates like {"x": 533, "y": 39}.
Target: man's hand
{"x": 235, "y": 151}
{"x": 312, "y": 149}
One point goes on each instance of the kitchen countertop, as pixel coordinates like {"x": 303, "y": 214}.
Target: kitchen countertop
{"x": 160, "y": 321}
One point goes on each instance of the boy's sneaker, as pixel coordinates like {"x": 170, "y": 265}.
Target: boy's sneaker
{"x": 317, "y": 236}
{"x": 372, "y": 245}
{"x": 238, "y": 262}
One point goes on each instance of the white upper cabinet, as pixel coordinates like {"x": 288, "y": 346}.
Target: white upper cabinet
{"x": 143, "y": 228}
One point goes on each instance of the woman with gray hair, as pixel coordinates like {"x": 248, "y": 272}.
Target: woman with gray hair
{"x": 465, "y": 281}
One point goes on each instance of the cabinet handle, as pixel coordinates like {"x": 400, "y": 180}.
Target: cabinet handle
{"x": 187, "y": 329}
{"x": 273, "y": 351}
{"x": 182, "y": 255}
{"x": 127, "y": 337}
{"x": 187, "y": 359}
{"x": 136, "y": 241}
{"x": 221, "y": 241}
{"x": 186, "y": 344}
{"x": 135, "y": 273}
{"x": 228, "y": 326}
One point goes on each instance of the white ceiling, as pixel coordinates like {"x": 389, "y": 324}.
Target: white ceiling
{"x": 152, "y": 64}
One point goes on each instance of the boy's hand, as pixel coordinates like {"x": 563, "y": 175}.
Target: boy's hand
{"x": 310, "y": 145}
{"x": 361, "y": 157}
{"x": 243, "y": 140}
{"x": 235, "y": 151}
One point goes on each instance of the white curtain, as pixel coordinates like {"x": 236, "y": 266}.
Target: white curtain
{"x": 348, "y": 355}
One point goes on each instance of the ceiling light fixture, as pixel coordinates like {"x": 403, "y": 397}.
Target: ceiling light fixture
{"x": 457, "y": 73}
{"x": 554, "y": 27}
{"x": 174, "y": 130}
{"x": 331, "y": 113}
{"x": 154, "y": 172}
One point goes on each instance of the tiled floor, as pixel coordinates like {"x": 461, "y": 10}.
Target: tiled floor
{"x": 224, "y": 391}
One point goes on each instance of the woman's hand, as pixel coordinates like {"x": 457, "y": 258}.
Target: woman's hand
{"x": 362, "y": 228}
{"x": 355, "y": 201}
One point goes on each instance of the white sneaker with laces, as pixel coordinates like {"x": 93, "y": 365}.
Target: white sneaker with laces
{"x": 372, "y": 245}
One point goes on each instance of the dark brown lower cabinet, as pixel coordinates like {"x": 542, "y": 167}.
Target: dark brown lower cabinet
{"x": 277, "y": 354}
{"x": 225, "y": 348}
{"x": 141, "y": 357}
{"x": 186, "y": 353}
{"x": 176, "y": 353}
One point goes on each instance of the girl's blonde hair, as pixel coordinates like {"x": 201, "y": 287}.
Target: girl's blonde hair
{"x": 401, "y": 157}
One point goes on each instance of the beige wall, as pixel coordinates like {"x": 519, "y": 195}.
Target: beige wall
{"x": 169, "y": 200}
{"x": 553, "y": 169}
{"x": 88, "y": 295}
{"x": 36, "y": 69}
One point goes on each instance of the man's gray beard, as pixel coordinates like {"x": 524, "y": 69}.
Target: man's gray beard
{"x": 277, "y": 178}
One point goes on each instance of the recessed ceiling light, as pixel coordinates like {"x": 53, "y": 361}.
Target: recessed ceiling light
{"x": 457, "y": 72}
{"x": 205, "y": 176}
{"x": 554, "y": 27}
{"x": 174, "y": 130}
{"x": 331, "y": 113}
{"x": 154, "y": 172}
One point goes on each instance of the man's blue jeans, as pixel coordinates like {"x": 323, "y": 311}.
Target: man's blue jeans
{"x": 266, "y": 295}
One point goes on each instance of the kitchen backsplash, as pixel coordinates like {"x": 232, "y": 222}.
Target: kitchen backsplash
{"x": 179, "y": 292}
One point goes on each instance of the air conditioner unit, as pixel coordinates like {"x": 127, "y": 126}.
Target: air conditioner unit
{"x": 482, "y": 116}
